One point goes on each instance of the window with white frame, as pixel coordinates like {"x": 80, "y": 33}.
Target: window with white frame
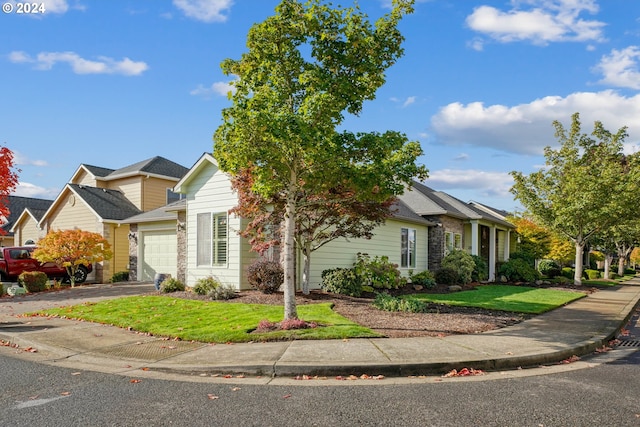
{"x": 211, "y": 244}
{"x": 174, "y": 197}
{"x": 452, "y": 241}
{"x": 407, "y": 248}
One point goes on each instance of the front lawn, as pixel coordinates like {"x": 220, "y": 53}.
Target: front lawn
{"x": 520, "y": 299}
{"x": 210, "y": 321}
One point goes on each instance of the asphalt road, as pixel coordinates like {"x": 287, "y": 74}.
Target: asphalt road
{"x": 599, "y": 394}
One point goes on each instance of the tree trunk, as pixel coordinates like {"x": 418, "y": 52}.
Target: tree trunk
{"x": 621, "y": 264}
{"x": 608, "y": 259}
{"x": 306, "y": 252}
{"x": 290, "y": 311}
{"x": 577, "y": 277}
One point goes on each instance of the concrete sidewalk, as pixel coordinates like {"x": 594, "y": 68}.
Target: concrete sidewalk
{"x": 577, "y": 329}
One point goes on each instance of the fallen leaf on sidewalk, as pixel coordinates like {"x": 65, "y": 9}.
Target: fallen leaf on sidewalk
{"x": 135, "y": 381}
{"x": 286, "y": 396}
{"x": 212, "y": 396}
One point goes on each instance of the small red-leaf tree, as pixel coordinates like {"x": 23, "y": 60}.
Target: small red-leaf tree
{"x": 71, "y": 249}
{"x": 323, "y": 216}
{"x": 8, "y": 182}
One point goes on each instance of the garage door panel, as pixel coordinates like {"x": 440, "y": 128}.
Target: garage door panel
{"x": 159, "y": 254}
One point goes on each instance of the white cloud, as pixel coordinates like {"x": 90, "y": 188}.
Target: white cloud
{"x": 483, "y": 183}
{"x": 79, "y": 65}
{"x": 545, "y": 21}
{"x": 410, "y": 100}
{"x": 620, "y": 68}
{"x": 527, "y": 128}
{"x": 205, "y": 10}
{"x": 26, "y": 189}
{"x": 20, "y": 159}
{"x": 56, "y": 6}
{"x": 216, "y": 89}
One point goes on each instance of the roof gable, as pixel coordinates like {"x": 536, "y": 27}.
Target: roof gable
{"x": 17, "y": 206}
{"x": 108, "y": 205}
{"x": 205, "y": 160}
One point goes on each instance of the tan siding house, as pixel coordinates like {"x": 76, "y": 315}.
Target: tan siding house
{"x": 98, "y": 199}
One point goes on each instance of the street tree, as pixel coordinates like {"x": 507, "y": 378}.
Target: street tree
{"x": 71, "y": 249}
{"x": 306, "y": 67}
{"x": 322, "y": 217}
{"x": 8, "y": 182}
{"x": 584, "y": 187}
{"x": 618, "y": 241}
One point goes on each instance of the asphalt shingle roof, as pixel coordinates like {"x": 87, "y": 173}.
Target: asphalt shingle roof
{"x": 108, "y": 204}
{"x": 155, "y": 166}
{"x": 18, "y": 204}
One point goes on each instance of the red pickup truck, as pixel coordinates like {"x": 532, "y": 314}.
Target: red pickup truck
{"x": 15, "y": 260}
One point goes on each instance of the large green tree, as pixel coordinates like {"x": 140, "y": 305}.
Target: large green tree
{"x": 586, "y": 186}
{"x": 306, "y": 67}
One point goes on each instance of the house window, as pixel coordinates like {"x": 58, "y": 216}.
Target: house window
{"x": 452, "y": 241}
{"x": 407, "y": 248}
{"x": 211, "y": 246}
{"x": 174, "y": 197}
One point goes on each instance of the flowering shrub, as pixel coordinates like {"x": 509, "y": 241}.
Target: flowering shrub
{"x": 378, "y": 272}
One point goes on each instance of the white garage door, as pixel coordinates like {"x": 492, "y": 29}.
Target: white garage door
{"x": 159, "y": 254}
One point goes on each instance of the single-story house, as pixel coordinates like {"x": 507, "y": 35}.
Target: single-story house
{"x": 425, "y": 225}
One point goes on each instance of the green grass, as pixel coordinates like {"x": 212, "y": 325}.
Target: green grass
{"x": 520, "y": 299}
{"x": 608, "y": 283}
{"x": 212, "y": 321}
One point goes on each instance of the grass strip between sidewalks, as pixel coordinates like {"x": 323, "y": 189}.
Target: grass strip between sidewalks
{"x": 210, "y": 321}
{"x": 521, "y": 299}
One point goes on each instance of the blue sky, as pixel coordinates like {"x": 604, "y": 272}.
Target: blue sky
{"x": 110, "y": 83}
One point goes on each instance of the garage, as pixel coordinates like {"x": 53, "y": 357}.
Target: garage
{"x": 158, "y": 253}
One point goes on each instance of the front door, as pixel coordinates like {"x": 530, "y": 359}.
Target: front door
{"x": 484, "y": 243}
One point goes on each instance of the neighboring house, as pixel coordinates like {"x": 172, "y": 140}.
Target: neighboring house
{"x": 98, "y": 199}
{"x": 27, "y": 211}
{"x": 461, "y": 226}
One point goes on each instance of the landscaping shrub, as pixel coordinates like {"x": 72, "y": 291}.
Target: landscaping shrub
{"x": 613, "y": 275}
{"x": 568, "y": 272}
{"x": 481, "y": 270}
{"x": 629, "y": 271}
{"x": 562, "y": 280}
{"x": 222, "y": 292}
{"x": 341, "y": 281}
{"x": 425, "y": 278}
{"x": 171, "y": 285}
{"x": 33, "y": 281}
{"x": 519, "y": 270}
{"x": 120, "y": 276}
{"x": 387, "y": 302}
{"x": 549, "y": 268}
{"x": 378, "y": 272}
{"x": 447, "y": 276}
{"x": 462, "y": 263}
{"x": 205, "y": 285}
{"x": 591, "y": 274}
{"x": 525, "y": 256}
{"x": 265, "y": 275}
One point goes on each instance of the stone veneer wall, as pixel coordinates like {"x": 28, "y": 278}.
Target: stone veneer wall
{"x": 437, "y": 239}
{"x": 133, "y": 252}
{"x": 182, "y": 246}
